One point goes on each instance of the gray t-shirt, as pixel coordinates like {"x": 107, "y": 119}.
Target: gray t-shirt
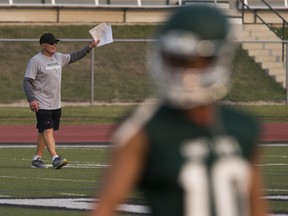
{"x": 46, "y": 73}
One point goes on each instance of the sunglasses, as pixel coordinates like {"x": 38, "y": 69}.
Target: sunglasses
{"x": 52, "y": 43}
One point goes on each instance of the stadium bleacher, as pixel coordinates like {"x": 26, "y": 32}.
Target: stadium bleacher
{"x": 255, "y": 4}
{"x": 91, "y": 2}
{"x": 114, "y": 11}
{"x": 276, "y": 4}
{"x": 252, "y": 3}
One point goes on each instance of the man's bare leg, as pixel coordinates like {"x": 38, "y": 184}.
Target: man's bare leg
{"x": 49, "y": 140}
{"x": 48, "y": 137}
{"x": 45, "y": 138}
{"x": 40, "y": 145}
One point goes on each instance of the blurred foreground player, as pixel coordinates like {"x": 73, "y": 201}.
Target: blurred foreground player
{"x": 188, "y": 155}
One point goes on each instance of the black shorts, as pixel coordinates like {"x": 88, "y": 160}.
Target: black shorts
{"x": 47, "y": 119}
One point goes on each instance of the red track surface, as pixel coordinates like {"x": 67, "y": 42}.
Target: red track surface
{"x": 66, "y": 133}
{"x": 101, "y": 133}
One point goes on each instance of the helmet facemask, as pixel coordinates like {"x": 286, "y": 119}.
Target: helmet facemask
{"x": 175, "y": 66}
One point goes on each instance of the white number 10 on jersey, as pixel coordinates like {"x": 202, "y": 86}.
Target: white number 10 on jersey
{"x": 227, "y": 183}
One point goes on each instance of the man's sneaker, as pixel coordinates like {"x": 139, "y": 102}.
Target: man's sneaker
{"x": 58, "y": 163}
{"x": 38, "y": 164}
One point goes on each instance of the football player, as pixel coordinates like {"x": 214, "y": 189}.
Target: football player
{"x": 188, "y": 154}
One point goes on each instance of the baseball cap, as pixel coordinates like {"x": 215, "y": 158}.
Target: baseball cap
{"x": 48, "y": 38}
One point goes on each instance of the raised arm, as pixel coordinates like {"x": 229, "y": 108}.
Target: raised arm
{"x": 77, "y": 55}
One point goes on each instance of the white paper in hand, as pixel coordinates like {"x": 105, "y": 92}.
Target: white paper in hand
{"x": 102, "y": 32}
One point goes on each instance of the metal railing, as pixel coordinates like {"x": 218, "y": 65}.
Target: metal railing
{"x": 109, "y": 2}
{"x": 269, "y": 25}
{"x": 284, "y": 22}
{"x": 258, "y": 5}
{"x": 89, "y": 2}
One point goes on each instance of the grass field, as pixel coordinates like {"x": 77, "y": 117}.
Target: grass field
{"x": 113, "y": 114}
{"x": 80, "y": 180}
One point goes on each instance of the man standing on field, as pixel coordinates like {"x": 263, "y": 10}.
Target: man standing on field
{"x": 42, "y": 87}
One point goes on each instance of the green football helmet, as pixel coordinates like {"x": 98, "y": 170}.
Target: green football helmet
{"x": 192, "y": 33}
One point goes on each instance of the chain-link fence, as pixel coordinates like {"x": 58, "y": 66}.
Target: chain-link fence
{"x": 117, "y": 72}
{"x": 259, "y": 72}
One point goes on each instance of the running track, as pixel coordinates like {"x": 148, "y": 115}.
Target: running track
{"x": 66, "y": 134}
{"x": 272, "y": 132}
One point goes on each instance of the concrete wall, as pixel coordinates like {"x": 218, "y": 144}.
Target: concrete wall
{"x": 111, "y": 14}
{"x": 82, "y": 15}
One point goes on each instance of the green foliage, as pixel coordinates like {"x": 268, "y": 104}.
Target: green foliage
{"x": 279, "y": 32}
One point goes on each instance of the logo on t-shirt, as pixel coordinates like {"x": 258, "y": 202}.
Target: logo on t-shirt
{"x": 53, "y": 66}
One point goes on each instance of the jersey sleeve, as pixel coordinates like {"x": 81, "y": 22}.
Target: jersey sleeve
{"x": 32, "y": 68}
{"x": 64, "y": 58}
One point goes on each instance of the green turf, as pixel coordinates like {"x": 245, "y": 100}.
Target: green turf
{"x": 112, "y": 114}
{"x": 15, "y": 162}
{"x": 70, "y": 115}
{"x": 12, "y": 211}
{"x": 82, "y": 177}
{"x": 276, "y": 173}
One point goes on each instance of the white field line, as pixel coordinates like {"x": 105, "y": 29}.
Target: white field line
{"x": 272, "y": 164}
{"x": 48, "y": 179}
{"x": 277, "y": 197}
{"x": 89, "y": 203}
{"x": 274, "y": 156}
{"x": 71, "y": 203}
{"x": 92, "y": 147}
{"x": 274, "y": 145}
{"x": 74, "y": 164}
{"x": 72, "y": 194}
{"x": 96, "y": 146}
{"x": 83, "y": 165}
{"x": 276, "y": 190}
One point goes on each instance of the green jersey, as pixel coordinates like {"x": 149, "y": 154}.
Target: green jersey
{"x": 192, "y": 170}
